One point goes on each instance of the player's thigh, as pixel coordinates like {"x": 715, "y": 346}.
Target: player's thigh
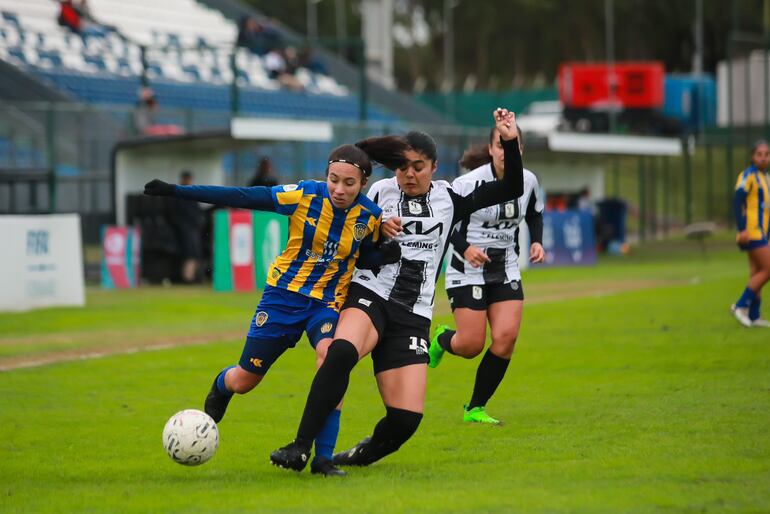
{"x": 504, "y": 323}
{"x": 471, "y": 326}
{"x": 357, "y": 327}
{"x": 761, "y": 257}
{"x": 404, "y": 387}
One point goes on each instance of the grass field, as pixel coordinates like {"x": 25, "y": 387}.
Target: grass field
{"x": 631, "y": 390}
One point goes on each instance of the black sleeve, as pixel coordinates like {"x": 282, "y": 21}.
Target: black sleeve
{"x": 372, "y": 256}
{"x": 496, "y": 191}
{"x": 459, "y": 238}
{"x": 534, "y": 219}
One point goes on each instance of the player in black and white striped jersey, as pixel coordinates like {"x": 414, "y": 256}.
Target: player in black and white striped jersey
{"x": 388, "y": 313}
{"x": 483, "y": 280}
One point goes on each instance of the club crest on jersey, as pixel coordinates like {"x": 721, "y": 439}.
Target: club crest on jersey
{"x": 415, "y": 207}
{"x": 261, "y": 318}
{"x": 477, "y": 292}
{"x": 510, "y": 210}
{"x": 359, "y": 231}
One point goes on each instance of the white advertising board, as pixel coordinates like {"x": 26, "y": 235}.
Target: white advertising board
{"x": 41, "y": 262}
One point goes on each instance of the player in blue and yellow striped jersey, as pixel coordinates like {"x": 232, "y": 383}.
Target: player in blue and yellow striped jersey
{"x": 333, "y": 228}
{"x": 752, "y": 213}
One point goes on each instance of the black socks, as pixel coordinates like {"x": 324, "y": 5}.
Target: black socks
{"x": 328, "y": 388}
{"x": 489, "y": 374}
{"x": 391, "y": 432}
{"x": 445, "y": 340}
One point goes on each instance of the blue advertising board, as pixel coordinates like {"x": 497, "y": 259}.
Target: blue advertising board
{"x": 568, "y": 238}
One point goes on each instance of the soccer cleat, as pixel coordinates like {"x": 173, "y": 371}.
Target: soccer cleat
{"x": 359, "y": 455}
{"x": 479, "y": 415}
{"x": 216, "y": 403}
{"x": 436, "y": 351}
{"x": 292, "y": 456}
{"x": 324, "y": 466}
{"x": 742, "y": 315}
{"x": 760, "y": 323}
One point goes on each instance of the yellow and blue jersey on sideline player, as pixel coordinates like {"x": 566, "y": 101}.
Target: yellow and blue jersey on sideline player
{"x": 752, "y": 206}
{"x": 308, "y": 282}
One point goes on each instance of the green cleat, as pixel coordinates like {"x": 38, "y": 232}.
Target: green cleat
{"x": 479, "y": 415}
{"x": 436, "y": 351}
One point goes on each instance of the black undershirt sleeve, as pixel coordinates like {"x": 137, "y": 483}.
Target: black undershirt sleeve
{"x": 534, "y": 221}
{"x": 459, "y": 238}
{"x": 496, "y": 191}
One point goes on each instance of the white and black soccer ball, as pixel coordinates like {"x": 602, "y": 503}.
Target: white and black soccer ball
{"x": 190, "y": 437}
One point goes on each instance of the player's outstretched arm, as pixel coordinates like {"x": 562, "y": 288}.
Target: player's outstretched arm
{"x": 257, "y": 197}
{"x": 512, "y": 184}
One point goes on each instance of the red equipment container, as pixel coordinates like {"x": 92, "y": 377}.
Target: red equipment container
{"x": 638, "y": 85}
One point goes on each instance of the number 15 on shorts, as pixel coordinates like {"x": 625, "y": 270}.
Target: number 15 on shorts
{"x": 419, "y": 345}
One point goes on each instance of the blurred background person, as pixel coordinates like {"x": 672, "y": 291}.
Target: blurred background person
{"x": 752, "y": 214}
{"x": 264, "y": 174}
{"x": 187, "y": 219}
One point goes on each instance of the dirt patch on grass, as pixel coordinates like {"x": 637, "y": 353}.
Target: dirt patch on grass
{"x": 74, "y": 354}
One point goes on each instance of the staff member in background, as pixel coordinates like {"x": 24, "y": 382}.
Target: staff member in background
{"x": 752, "y": 213}
{"x": 486, "y": 283}
{"x": 187, "y": 220}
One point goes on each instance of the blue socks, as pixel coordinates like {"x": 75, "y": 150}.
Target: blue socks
{"x": 221, "y": 382}
{"x": 754, "y": 308}
{"x": 747, "y": 298}
{"x": 327, "y": 438}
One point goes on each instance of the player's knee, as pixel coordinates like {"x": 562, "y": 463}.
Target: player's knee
{"x": 402, "y": 424}
{"x": 341, "y": 356}
{"x": 505, "y": 338}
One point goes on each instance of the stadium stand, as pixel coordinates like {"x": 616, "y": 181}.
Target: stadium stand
{"x": 188, "y": 57}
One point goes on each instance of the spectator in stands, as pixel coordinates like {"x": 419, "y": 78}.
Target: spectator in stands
{"x": 187, "y": 220}
{"x": 257, "y": 37}
{"x": 310, "y": 61}
{"x": 69, "y": 16}
{"x": 279, "y": 69}
{"x": 264, "y": 175}
{"x": 89, "y": 25}
{"x": 144, "y": 115}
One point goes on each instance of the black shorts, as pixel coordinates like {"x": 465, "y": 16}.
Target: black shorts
{"x": 403, "y": 335}
{"x": 478, "y": 298}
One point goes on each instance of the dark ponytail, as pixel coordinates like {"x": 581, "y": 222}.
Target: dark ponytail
{"x": 390, "y": 151}
{"x": 477, "y": 156}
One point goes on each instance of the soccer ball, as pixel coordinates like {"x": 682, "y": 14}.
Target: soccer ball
{"x": 190, "y": 437}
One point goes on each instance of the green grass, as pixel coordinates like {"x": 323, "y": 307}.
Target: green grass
{"x": 650, "y": 400}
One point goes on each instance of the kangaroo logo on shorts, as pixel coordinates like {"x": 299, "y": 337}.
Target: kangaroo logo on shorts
{"x": 261, "y": 318}
{"x": 477, "y": 293}
{"x": 326, "y": 327}
{"x": 359, "y": 231}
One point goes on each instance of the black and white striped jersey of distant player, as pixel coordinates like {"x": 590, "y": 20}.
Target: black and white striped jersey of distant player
{"x": 427, "y": 222}
{"x": 494, "y": 230}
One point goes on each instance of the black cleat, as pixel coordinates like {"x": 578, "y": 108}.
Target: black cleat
{"x": 325, "y": 467}
{"x": 292, "y": 456}
{"x": 216, "y": 403}
{"x": 359, "y": 455}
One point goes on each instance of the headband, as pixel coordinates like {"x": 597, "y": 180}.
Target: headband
{"x": 345, "y": 161}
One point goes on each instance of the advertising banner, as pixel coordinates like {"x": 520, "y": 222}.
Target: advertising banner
{"x": 568, "y": 238}
{"x": 120, "y": 257}
{"x": 41, "y": 264}
{"x": 245, "y": 243}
